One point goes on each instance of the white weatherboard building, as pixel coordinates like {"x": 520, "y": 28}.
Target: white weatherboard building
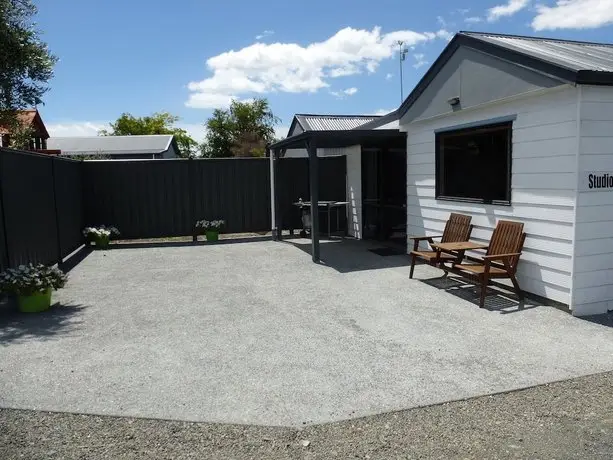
{"x": 517, "y": 128}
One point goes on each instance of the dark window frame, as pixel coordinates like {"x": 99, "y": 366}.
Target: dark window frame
{"x": 439, "y": 162}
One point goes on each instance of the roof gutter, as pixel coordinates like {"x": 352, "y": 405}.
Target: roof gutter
{"x": 594, "y": 77}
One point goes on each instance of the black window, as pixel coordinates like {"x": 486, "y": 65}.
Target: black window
{"x": 474, "y": 164}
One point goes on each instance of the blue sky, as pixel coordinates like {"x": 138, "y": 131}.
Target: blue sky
{"x": 334, "y": 56}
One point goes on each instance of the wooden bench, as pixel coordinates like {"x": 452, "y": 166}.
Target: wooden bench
{"x": 500, "y": 260}
{"x": 457, "y": 228}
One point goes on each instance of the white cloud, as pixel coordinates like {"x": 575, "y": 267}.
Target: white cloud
{"x": 345, "y": 92}
{"x": 91, "y": 128}
{"x": 196, "y": 130}
{"x": 463, "y": 11}
{"x": 389, "y": 76}
{"x": 382, "y": 111}
{"x": 574, "y": 14}
{"x": 441, "y": 21}
{"x": 209, "y": 100}
{"x": 344, "y": 71}
{"x": 281, "y": 132}
{"x": 508, "y": 9}
{"x": 266, "y": 33}
{"x": 444, "y": 34}
{"x": 75, "y": 128}
{"x": 292, "y": 68}
{"x": 420, "y": 60}
{"x": 473, "y": 20}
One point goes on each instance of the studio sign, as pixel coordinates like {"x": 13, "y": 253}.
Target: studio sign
{"x": 596, "y": 181}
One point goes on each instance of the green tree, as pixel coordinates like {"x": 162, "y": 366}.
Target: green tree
{"x": 26, "y": 65}
{"x": 158, "y": 123}
{"x": 219, "y": 137}
{"x": 244, "y": 129}
{"x": 20, "y": 137}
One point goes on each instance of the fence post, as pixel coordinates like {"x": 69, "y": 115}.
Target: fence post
{"x": 191, "y": 183}
{"x": 60, "y": 259}
{"x": 6, "y": 236}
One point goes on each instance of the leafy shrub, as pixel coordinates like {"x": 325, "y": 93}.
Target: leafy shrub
{"x": 31, "y": 279}
{"x": 210, "y": 225}
{"x": 102, "y": 231}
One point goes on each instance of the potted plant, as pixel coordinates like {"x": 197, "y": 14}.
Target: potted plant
{"x": 101, "y": 236}
{"x": 210, "y": 228}
{"x": 32, "y": 284}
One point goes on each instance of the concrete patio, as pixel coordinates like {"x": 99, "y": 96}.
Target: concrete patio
{"x": 254, "y": 332}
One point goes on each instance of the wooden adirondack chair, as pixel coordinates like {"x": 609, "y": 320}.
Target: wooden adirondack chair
{"x": 500, "y": 260}
{"x": 457, "y": 228}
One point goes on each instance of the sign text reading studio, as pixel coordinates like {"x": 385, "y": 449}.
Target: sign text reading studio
{"x": 600, "y": 181}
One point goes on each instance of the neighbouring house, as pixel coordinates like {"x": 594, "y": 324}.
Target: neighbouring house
{"x": 118, "y": 147}
{"x": 28, "y": 118}
{"x": 501, "y": 127}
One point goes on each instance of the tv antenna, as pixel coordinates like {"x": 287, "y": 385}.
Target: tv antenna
{"x": 402, "y": 55}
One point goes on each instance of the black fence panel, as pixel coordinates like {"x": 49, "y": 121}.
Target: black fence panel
{"x": 4, "y": 262}
{"x": 45, "y": 202}
{"x": 29, "y": 208}
{"x": 236, "y": 190}
{"x": 143, "y": 199}
{"x": 69, "y": 204}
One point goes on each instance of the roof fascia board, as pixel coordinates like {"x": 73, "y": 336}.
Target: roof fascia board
{"x": 594, "y": 77}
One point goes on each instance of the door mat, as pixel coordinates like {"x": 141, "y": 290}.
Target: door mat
{"x": 384, "y": 252}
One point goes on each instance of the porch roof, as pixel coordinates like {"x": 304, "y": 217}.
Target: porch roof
{"x": 343, "y": 138}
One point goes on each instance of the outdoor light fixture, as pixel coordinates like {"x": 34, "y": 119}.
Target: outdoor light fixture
{"x": 453, "y": 101}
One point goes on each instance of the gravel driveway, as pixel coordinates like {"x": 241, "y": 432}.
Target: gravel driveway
{"x": 566, "y": 420}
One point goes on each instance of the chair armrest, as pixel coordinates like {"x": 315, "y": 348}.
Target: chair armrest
{"x": 424, "y": 238}
{"x": 502, "y": 256}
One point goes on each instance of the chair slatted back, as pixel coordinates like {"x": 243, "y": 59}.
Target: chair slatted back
{"x": 458, "y": 228}
{"x": 508, "y": 238}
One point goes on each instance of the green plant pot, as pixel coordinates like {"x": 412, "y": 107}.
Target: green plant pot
{"x": 212, "y": 235}
{"x": 34, "y": 303}
{"x": 102, "y": 242}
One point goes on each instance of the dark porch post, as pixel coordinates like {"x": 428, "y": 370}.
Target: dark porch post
{"x": 277, "y": 226}
{"x": 314, "y": 187}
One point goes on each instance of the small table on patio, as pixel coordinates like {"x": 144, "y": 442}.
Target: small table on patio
{"x": 458, "y": 248}
{"x": 327, "y": 206}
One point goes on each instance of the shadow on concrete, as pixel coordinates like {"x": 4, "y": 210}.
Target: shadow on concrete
{"x": 76, "y": 258}
{"x": 179, "y": 244}
{"x": 348, "y": 255}
{"x": 495, "y": 299}
{"x": 17, "y": 327}
{"x": 605, "y": 319}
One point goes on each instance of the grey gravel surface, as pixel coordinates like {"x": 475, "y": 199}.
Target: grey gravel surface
{"x": 256, "y": 333}
{"x": 566, "y": 420}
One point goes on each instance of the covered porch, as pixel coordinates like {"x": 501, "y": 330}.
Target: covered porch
{"x": 376, "y": 147}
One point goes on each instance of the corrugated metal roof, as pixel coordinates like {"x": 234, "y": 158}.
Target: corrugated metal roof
{"x": 333, "y": 122}
{"x": 569, "y": 54}
{"x": 115, "y": 145}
